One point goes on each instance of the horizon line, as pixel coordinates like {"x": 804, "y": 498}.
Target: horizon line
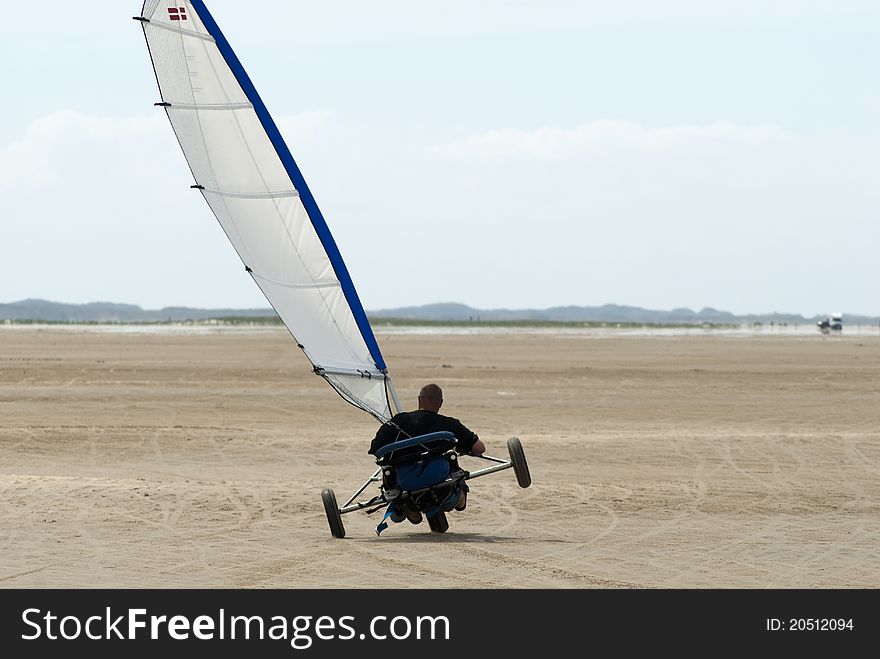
{"x": 270, "y": 311}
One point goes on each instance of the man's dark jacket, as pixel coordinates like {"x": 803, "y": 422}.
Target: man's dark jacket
{"x": 422, "y": 422}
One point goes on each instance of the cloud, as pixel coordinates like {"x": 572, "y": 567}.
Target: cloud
{"x": 609, "y": 135}
{"x": 98, "y": 207}
{"x": 353, "y": 21}
{"x": 68, "y": 143}
{"x": 68, "y": 148}
{"x": 101, "y": 207}
{"x": 303, "y": 127}
{"x": 718, "y": 214}
{"x": 738, "y": 215}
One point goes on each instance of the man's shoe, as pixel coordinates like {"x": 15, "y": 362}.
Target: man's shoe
{"x": 462, "y": 502}
{"x": 415, "y": 517}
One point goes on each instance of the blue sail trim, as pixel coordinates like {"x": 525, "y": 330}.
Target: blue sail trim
{"x": 308, "y": 201}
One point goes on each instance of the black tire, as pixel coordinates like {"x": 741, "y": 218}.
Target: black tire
{"x": 438, "y": 522}
{"x": 518, "y": 458}
{"x": 334, "y": 518}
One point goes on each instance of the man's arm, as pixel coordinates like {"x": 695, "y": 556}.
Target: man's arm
{"x": 468, "y": 441}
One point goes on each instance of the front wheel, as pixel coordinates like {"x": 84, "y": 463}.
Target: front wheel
{"x": 518, "y": 458}
{"x": 438, "y": 522}
{"x": 334, "y": 518}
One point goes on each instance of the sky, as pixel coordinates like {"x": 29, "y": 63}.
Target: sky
{"x": 516, "y": 153}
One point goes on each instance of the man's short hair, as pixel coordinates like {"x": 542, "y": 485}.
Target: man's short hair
{"x": 431, "y": 393}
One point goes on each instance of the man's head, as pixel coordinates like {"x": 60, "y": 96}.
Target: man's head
{"x": 430, "y": 398}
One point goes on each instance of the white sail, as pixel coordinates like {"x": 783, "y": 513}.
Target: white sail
{"x": 248, "y": 177}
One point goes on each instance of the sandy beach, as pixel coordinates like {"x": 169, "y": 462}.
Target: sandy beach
{"x": 163, "y": 459}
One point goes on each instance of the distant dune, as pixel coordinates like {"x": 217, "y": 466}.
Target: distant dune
{"x": 613, "y": 313}
{"x": 109, "y": 312}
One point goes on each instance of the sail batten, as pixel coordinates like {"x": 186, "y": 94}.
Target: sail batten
{"x": 292, "y": 284}
{"x": 208, "y": 106}
{"x": 179, "y": 30}
{"x": 281, "y": 194}
{"x": 255, "y": 189}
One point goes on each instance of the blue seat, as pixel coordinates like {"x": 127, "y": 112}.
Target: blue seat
{"x": 418, "y": 462}
{"x": 424, "y": 473}
{"x": 435, "y": 443}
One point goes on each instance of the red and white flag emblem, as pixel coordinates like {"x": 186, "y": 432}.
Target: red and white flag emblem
{"x": 177, "y": 13}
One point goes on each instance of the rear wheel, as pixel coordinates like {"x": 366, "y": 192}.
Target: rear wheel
{"x": 518, "y": 458}
{"x": 334, "y": 518}
{"x": 438, "y": 522}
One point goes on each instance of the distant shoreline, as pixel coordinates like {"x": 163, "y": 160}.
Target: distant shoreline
{"x": 246, "y": 321}
{"x": 447, "y": 314}
{"x": 262, "y": 321}
{"x": 407, "y": 327}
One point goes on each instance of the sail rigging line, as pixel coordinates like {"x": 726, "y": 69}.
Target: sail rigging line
{"x": 320, "y": 371}
{"x": 348, "y": 399}
{"x": 379, "y": 417}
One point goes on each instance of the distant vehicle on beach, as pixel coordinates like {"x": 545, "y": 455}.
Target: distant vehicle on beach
{"x": 833, "y": 323}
